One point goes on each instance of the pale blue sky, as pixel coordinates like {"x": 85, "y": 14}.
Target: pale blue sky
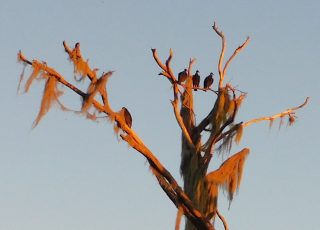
{"x": 73, "y": 174}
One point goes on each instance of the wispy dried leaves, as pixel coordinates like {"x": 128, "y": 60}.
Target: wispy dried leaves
{"x": 50, "y": 95}
{"x": 228, "y": 177}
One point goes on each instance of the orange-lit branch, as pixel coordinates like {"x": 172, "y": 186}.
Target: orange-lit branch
{"x": 288, "y": 112}
{"x": 168, "y": 61}
{"x": 180, "y": 122}
{"x": 222, "y": 70}
{"x": 225, "y": 224}
{"x": 191, "y": 63}
{"x": 223, "y": 41}
{"x": 167, "y": 71}
{"x": 234, "y": 54}
{"x": 181, "y": 198}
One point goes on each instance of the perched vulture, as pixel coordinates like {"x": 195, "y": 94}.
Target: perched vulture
{"x": 182, "y": 76}
{"x": 77, "y": 48}
{"x": 127, "y": 117}
{"x": 196, "y": 80}
{"x": 208, "y": 81}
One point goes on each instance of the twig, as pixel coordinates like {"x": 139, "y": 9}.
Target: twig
{"x": 165, "y": 71}
{"x": 225, "y": 224}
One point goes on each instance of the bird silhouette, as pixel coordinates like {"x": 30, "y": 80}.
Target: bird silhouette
{"x": 127, "y": 117}
{"x": 208, "y": 81}
{"x": 196, "y": 80}
{"x": 182, "y": 76}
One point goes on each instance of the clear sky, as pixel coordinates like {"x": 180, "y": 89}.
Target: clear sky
{"x": 73, "y": 174}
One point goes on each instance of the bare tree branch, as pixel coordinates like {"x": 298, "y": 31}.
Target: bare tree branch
{"x": 178, "y": 218}
{"x": 168, "y": 62}
{"x": 225, "y": 224}
{"x": 168, "y": 72}
{"x": 222, "y": 71}
{"x": 223, "y": 47}
{"x": 180, "y": 122}
{"x": 165, "y": 71}
{"x": 288, "y": 112}
{"x": 234, "y": 54}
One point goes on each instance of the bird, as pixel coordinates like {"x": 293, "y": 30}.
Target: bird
{"x": 127, "y": 117}
{"x": 77, "y": 50}
{"x": 196, "y": 80}
{"x": 182, "y": 76}
{"x": 208, "y": 81}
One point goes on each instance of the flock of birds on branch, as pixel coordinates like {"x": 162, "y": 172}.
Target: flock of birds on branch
{"x": 208, "y": 81}
{"x": 182, "y": 77}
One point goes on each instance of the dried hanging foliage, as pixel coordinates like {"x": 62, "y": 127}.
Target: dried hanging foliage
{"x": 93, "y": 89}
{"x": 227, "y": 141}
{"x": 36, "y": 71}
{"x": 21, "y": 77}
{"x": 235, "y": 102}
{"x": 82, "y": 68}
{"x": 231, "y": 108}
{"x": 291, "y": 120}
{"x": 228, "y": 176}
{"x": 239, "y": 134}
{"x": 51, "y": 94}
{"x": 186, "y": 111}
{"x": 271, "y": 123}
{"x": 221, "y": 111}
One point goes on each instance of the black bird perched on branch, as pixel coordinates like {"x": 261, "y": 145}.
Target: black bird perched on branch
{"x": 77, "y": 50}
{"x": 196, "y": 80}
{"x": 208, "y": 81}
{"x": 182, "y": 76}
{"x": 127, "y": 117}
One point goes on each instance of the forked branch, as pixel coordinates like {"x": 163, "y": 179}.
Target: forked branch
{"x": 223, "y": 70}
{"x": 168, "y": 72}
{"x": 165, "y": 71}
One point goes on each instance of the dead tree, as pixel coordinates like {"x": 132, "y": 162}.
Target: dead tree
{"x": 197, "y": 199}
